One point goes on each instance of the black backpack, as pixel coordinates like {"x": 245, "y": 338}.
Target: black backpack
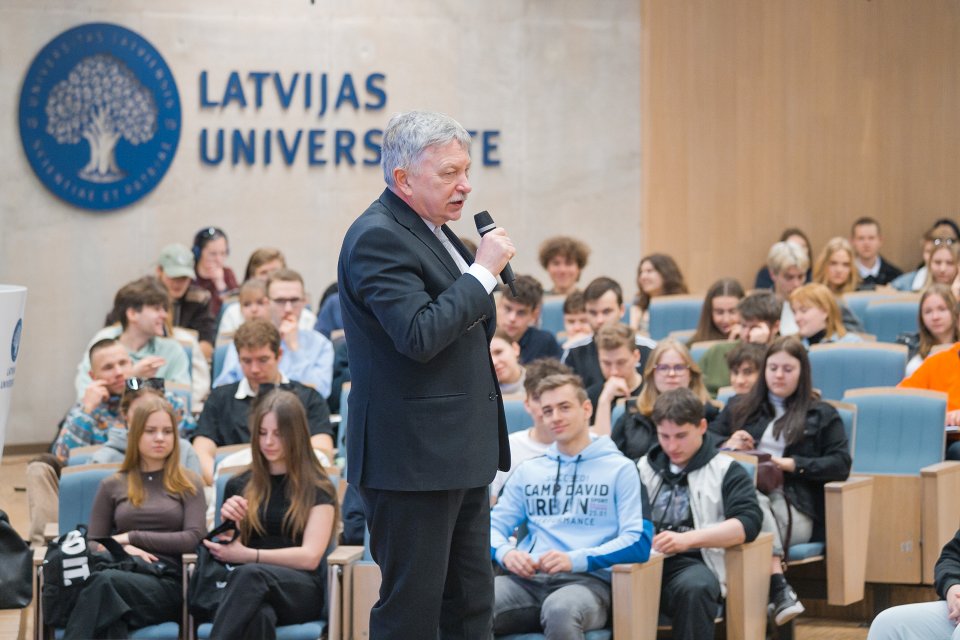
{"x": 209, "y": 578}
{"x": 16, "y": 564}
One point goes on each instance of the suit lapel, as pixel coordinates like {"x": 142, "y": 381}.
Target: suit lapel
{"x": 409, "y": 219}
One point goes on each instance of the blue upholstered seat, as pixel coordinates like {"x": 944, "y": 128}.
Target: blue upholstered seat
{"x": 219, "y": 355}
{"x": 673, "y": 313}
{"x": 838, "y": 367}
{"x": 517, "y": 417}
{"x": 162, "y": 631}
{"x": 551, "y": 314}
{"x": 887, "y": 319}
{"x": 305, "y": 631}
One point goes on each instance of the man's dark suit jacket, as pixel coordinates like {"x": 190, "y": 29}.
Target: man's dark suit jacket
{"x": 424, "y": 409}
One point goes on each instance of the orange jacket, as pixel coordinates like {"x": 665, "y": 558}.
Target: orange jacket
{"x": 939, "y": 372}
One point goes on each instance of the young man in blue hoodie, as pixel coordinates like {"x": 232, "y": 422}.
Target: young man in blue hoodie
{"x": 584, "y": 509}
{"x": 693, "y": 533}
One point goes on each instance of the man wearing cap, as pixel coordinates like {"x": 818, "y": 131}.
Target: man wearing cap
{"x": 190, "y": 306}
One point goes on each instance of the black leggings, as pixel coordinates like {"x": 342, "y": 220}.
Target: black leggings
{"x": 260, "y": 596}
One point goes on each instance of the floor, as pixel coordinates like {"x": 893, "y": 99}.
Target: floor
{"x": 13, "y": 500}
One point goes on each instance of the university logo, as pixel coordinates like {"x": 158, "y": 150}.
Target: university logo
{"x": 15, "y": 341}
{"x": 99, "y": 116}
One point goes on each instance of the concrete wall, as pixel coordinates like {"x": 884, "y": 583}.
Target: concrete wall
{"x": 560, "y": 81}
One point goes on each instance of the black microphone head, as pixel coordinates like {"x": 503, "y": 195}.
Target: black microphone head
{"x": 484, "y": 222}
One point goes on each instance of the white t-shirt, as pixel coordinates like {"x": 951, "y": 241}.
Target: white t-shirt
{"x": 522, "y": 447}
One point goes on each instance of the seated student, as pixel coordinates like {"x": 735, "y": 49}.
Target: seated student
{"x": 564, "y": 259}
{"x": 817, "y": 315}
{"x": 719, "y": 316}
{"x": 693, "y": 533}
{"x": 937, "y": 319}
{"x": 286, "y": 510}
{"x": 745, "y": 362}
{"x": 89, "y": 422}
{"x": 505, "y": 355}
{"x": 944, "y": 266}
{"x": 927, "y": 620}
{"x": 210, "y": 250}
{"x": 517, "y": 317}
{"x": 141, "y": 307}
{"x": 619, "y": 357}
{"x": 657, "y": 275}
{"x": 576, "y": 324}
{"x": 669, "y": 367}
{"x": 307, "y": 355}
{"x": 154, "y": 508}
{"x": 759, "y": 324}
{"x": 834, "y": 269}
{"x": 580, "y": 522}
{"x": 874, "y": 269}
{"x": 534, "y": 441}
{"x": 792, "y": 235}
{"x": 941, "y": 372}
{"x": 788, "y": 266}
{"x": 191, "y": 304}
{"x": 603, "y": 300}
{"x": 943, "y": 231}
{"x": 783, "y": 416}
{"x": 262, "y": 263}
{"x": 225, "y": 418}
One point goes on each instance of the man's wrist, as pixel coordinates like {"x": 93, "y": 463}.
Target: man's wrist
{"x": 483, "y": 275}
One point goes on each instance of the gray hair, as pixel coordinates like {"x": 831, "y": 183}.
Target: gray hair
{"x": 409, "y": 134}
{"x": 784, "y": 255}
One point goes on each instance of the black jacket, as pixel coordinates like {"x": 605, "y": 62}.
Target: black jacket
{"x": 635, "y": 434}
{"x": 946, "y": 573}
{"x": 887, "y": 274}
{"x": 822, "y": 455}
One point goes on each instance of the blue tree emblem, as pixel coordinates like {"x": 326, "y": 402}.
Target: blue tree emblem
{"x": 101, "y": 101}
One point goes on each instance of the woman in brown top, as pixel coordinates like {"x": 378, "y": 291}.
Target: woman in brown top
{"x": 155, "y": 509}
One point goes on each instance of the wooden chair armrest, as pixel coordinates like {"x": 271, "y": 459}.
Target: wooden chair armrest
{"x": 38, "y": 554}
{"x": 50, "y": 531}
{"x": 940, "y": 510}
{"x": 848, "y": 506}
{"x": 636, "y": 598}
{"x": 189, "y": 558}
{"x": 345, "y": 555}
{"x": 748, "y": 587}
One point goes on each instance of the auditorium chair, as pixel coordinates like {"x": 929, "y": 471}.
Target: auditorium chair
{"x": 698, "y": 349}
{"x": 887, "y": 319}
{"x": 517, "y": 417}
{"x": 857, "y": 301}
{"x": 673, "y": 313}
{"x": 841, "y": 366}
{"x": 551, "y": 314}
{"x": 900, "y": 445}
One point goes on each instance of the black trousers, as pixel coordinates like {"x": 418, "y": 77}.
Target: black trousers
{"x": 114, "y": 602}
{"x": 433, "y": 549}
{"x": 260, "y": 596}
{"x": 690, "y": 595}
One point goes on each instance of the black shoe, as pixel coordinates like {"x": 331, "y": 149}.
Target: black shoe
{"x": 785, "y": 605}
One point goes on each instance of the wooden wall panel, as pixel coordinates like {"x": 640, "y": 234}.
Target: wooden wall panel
{"x": 763, "y": 114}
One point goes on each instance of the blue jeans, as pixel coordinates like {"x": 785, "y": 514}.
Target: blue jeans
{"x": 562, "y": 606}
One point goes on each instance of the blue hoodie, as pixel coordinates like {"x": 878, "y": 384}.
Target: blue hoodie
{"x": 591, "y": 506}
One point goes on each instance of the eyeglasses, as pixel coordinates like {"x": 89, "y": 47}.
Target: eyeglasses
{"x": 282, "y": 302}
{"x": 138, "y": 384}
{"x": 943, "y": 241}
{"x": 667, "y": 369}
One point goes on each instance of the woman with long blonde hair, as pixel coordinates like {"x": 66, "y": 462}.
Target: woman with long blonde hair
{"x": 285, "y": 508}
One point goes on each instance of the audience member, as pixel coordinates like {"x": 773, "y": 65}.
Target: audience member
{"x": 866, "y": 239}
{"x": 141, "y": 306}
{"x": 505, "y": 354}
{"x": 937, "y": 320}
{"x": 155, "y": 509}
{"x": 619, "y": 358}
{"x": 329, "y": 316}
{"x": 788, "y": 266}
{"x": 576, "y": 324}
{"x": 657, "y": 275}
{"x": 262, "y": 264}
{"x": 759, "y": 324}
{"x": 669, "y": 367}
{"x": 927, "y": 620}
{"x": 534, "y": 441}
{"x": 941, "y": 372}
{"x": 944, "y": 266}
{"x": 603, "y": 300}
{"x": 285, "y": 508}
{"x": 793, "y": 236}
{"x": 307, "y": 355}
{"x": 190, "y": 306}
{"x": 563, "y": 258}
{"x": 784, "y": 417}
{"x": 719, "y": 317}
{"x": 818, "y": 317}
{"x": 916, "y": 279}
{"x": 745, "y": 361}
{"x": 225, "y": 418}
{"x": 558, "y": 579}
{"x": 693, "y": 532}
{"x": 834, "y": 269}
{"x": 210, "y": 251}
{"x": 517, "y": 316}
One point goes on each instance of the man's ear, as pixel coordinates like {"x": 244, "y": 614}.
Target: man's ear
{"x": 401, "y": 179}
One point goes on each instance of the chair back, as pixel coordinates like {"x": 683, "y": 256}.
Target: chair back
{"x": 219, "y": 356}
{"x": 517, "y": 417}
{"x": 551, "y": 314}
{"x": 840, "y": 366}
{"x": 82, "y": 455}
{"x": 887, "y": 319}
{"x": 898, "y": 431}
{"x": 673, "y": 313}
{"x": 698, "y": 349}
{"x": 78, "y": 488}
{"x": 857, "y": 301}
{"x": 848, "y": 413}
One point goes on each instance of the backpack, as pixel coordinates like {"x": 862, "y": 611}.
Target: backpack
{"x": 209, "y": 578}
{"x": 16, "y": 565}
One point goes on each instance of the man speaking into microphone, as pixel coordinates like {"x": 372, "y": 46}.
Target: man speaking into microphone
{"x": 426, "y": 430}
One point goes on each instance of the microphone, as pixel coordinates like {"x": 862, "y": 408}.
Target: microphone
{"x": 485, "y": 224}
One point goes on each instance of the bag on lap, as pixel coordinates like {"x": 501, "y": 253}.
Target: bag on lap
{"x": 769, "y": 475}
{"x": 209, "y": 578}
{"x": 16, "y": 563}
